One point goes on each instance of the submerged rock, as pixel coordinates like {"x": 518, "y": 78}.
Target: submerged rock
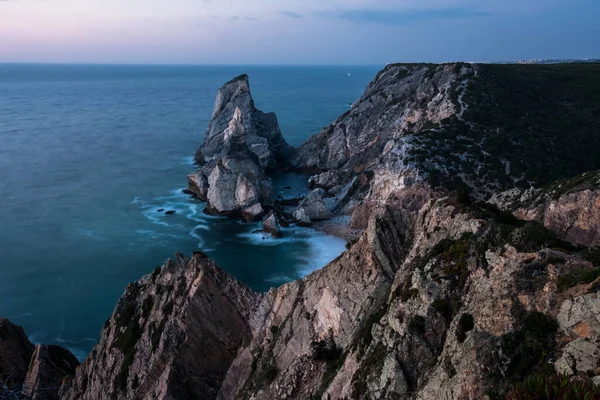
{"x": 271, "y": 225}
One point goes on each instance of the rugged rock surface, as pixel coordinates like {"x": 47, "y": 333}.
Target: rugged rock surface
{"x": 48, "y": 367}
{"x": 263, "y": 135}
{"x": 234, "y": 183}
{"x": 15, "y": 351}
{"x": 173, "y": 335}
{"x": 570, "y": 208}
{"x": 431, "y": 302}
{"x": 464, "y": 126}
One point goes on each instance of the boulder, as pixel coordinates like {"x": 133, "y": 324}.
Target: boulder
{"x": 330, "y": 179}
{"x": 48, "y": 366}
{"x": 271, "y": 225}
{"x": 314, "y": 205}
{"x": 301, "y": 217}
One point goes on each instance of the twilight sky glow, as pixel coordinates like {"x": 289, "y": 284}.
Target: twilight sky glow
{"x": 296, "y": 31}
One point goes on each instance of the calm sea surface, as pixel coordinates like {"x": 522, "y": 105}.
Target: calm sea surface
{"x": 88, "y": 154}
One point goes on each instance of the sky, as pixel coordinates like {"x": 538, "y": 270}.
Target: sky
{"x": 296, "y": 31}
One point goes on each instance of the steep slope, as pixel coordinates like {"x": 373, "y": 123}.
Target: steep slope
{"x": 28, "y": 371}
{"x": 570, "y": 207}
{"x": 435, "y": 299}
{"x": 173, "y": 335}
{"x": 480, "y": 128}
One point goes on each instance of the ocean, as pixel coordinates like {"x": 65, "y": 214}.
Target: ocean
{"x": 90, "y": 153}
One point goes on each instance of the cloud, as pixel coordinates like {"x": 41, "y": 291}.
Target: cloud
{"x": 291, "y": 14}
{"x": 403, "y": 17}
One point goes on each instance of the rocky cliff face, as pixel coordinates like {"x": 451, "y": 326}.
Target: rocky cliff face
{"x": 173, "y": 335}
{"x": 437, "y": 298}
{"x": 476, "y": 128}
{"x": 48, "y": 367}
{"x": 263, "y": 135}
{"x": 570, "y": 208}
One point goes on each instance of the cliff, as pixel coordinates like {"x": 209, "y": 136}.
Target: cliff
{"x": 478, "y": 128}
{"x": 569, "y": 207}
{"x": 436, "y": 299}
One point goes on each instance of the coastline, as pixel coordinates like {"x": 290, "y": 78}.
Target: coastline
{"x": 340, "y": 227}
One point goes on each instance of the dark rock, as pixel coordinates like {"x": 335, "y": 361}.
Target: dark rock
{"x": 48, "y": 366}
{"x": 170, "y": 212}
{"x": 160, "y": 210}
{"x": 15, "y": 351}
{"x": 271, "y": 225}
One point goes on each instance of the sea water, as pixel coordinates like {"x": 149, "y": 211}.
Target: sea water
{"x": 90, "y": 153}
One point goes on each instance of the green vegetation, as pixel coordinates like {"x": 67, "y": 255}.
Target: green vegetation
{"x": 527, "y": 349}
{"x": 466, "y": 324}
{"x": 523, "y": 123}
{"x": 579, "y": 278}
{"x": 126, "y": 342}
{"x": 551, "y": 387}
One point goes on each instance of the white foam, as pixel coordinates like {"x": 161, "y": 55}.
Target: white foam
{"x": 189, "y": 160}
{"x": 323, "y": 250}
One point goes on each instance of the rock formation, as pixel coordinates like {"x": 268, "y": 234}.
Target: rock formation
{"x": 271, "y": 225}
{"x": 234, "y": 183}
{"x": 432, "y": 301}
{"x": 173, "y": 335}
{"x": 263, "y": 135}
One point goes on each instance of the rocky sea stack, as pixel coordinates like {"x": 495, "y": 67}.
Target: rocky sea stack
{"x": 476, "y": 267}
{"x": 240, "y": 146}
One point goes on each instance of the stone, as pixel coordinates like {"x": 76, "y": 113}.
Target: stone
{"x": 313, "y": 206}
{"x": 578, "y": 356}
{"x": 253, "y": 213}
{"x": 301, "y": 217}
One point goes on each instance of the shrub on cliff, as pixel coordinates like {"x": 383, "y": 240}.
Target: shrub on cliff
{"x": 553, "y": 387}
